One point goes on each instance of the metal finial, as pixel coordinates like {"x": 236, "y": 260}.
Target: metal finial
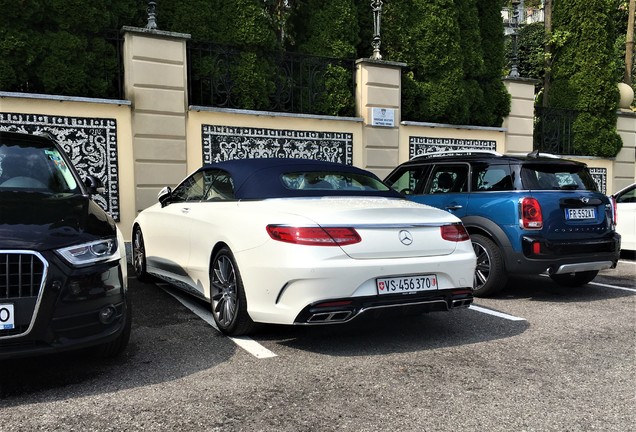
{"x": 152, "y": 15}
{"x": 376, "y": 6}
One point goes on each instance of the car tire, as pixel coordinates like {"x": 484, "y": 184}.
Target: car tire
{"x": 573, "y": 280}
{"x": 139, "y": 256}
{"x": 227, "y": 296}
{"x": 117, "y": 346}
{"x": 490, "y": 273}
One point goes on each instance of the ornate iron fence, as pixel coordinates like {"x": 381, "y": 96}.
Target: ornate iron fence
{"x": 116, "y": 78}
{"x": 104, "y": 76}
{"x": 553, "y": 130}
{"x": 226, "y": 77}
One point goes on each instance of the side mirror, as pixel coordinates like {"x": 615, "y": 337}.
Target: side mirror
{"x": 164, "y": 196}
{"x": 93, "y": 185}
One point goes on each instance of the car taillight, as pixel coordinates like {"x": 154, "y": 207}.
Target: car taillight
{"x": 531, "y": 217}
{"x": 614, "y": 210}
{"x": 314, "y": 236}
{"x": 454, "y": 232}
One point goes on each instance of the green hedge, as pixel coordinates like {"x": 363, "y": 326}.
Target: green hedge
{"x": 584, "y": 73}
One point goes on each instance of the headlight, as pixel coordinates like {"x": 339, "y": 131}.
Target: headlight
{"x": 88, "y": 253}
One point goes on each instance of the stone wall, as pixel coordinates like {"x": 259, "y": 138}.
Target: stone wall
{"x": 154, "y": 138}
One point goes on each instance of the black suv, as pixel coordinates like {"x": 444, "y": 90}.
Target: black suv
{"x": 62, "y": 258}
{"x": 525, "y": 214}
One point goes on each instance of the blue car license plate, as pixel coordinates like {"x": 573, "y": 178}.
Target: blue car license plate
{"x": 580, "y": 213}
{"x": 7, "y": 320}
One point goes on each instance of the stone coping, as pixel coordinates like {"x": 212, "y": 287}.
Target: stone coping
{"x": 452, "y": 126}
{"x": 64, "y": 98}
{"x": 274, "y": 113}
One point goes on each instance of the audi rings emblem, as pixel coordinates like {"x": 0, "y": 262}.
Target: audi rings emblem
{"x": 405, "y": 237}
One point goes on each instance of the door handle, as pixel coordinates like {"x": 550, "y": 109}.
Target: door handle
{"x": 185, "y": 210}
{"x": 453, "y": 207}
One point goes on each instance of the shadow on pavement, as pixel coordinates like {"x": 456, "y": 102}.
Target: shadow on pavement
{"x": 167, "y": 342}
{"x": 391, "y": 333}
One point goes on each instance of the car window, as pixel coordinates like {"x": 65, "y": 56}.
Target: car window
{"x": 221, "y": 187}
{"x": 410, "y": 180}
{"x": 557, "y": 177}
{"x": 629, "y": 196}
{"x": 492, "y": 178}
{"x": 192, "y": 189}
{"x": 35, "y": 168}
{"x": 448, "y": 179}
{"x": 331, "y": 180}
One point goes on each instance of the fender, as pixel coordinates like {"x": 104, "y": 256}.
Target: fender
{"x": 492, "y": 230}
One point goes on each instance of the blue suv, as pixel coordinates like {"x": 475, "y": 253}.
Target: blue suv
{"x": 525, "y": 214}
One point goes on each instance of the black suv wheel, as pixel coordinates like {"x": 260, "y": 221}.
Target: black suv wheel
{"x": 490, "y": 273}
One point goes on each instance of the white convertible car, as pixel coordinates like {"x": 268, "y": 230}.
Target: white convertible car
{"x": 296, "y": 241}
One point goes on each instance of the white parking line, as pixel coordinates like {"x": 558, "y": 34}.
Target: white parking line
{"x": 612, "y": 286}
{"x": 495, "y": 313}
{"x": 248, "y": 344}
{"x": 604, "y": 285}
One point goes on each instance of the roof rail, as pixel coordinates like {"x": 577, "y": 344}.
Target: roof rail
{"x": 535, "y": 154}
{"x": 456, "y": 153}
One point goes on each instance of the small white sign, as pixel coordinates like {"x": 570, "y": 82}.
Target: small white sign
{"x": 383, "y": 117}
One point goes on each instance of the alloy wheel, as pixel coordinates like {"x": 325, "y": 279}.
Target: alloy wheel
{"x": 224, "y": 291}
{"x": 482, "y": 270}
{"x": 139, "y": 253}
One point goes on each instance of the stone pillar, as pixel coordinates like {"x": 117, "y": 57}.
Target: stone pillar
{"x": 155, "y": 74}
{"x": 624, "y": 171}
{"x": 378, "y": 102}
{"x": 519, "y": 124}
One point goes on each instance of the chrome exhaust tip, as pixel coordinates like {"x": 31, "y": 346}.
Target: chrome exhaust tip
{"x": 329, "y": 317}
{"x": 462, "y": 303}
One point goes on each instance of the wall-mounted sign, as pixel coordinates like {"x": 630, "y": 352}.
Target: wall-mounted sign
{"x": 383, "y": 117}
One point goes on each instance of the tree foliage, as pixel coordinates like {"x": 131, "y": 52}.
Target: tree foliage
{"x": 496, "y": 102}
{"x": 531, "y": 51}
{"x": 59, "y": 46}
{"x": 426, "y": 36}
{"x": 451, "y": 47}
{"x": 584, "y": 74}
{"x": 454, "y": 53}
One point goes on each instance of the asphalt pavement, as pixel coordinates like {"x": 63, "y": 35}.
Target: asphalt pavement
{"x": 536, "y": 357}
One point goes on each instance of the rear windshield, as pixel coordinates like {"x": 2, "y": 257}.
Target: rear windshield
{"x": 41, "y": 169}
{"x": 332, "y": 181}
{"x": 557, "y": 177}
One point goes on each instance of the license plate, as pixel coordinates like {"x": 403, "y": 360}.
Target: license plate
{"x": 406, "y": 284}
{"x": 7, "y": 320}
{"x": 580, "y": 213}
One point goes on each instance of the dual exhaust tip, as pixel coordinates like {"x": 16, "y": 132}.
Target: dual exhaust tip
{"x": 345, "y": 315}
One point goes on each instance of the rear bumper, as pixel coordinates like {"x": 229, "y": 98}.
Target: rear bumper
{"x": 337, "y": 311}
{"x": 558, "y": 257}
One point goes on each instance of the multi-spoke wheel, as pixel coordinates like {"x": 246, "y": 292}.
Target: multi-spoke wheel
{"x": 490, "y": 273}
{"x": 139, "y": 256}
{"x": 229, "y": 305}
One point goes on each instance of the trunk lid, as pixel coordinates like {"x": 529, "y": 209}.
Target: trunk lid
{"x": 389, "y": 228}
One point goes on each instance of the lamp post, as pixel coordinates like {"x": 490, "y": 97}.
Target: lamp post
{"x": 376, "y": 6}
{"x": 514, "y": 24}
{"x": 152, "y": 15}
